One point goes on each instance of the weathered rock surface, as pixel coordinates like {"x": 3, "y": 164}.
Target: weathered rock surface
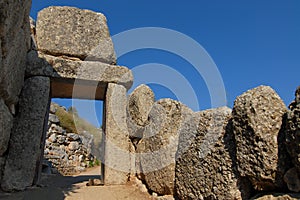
{"x": 293, "y": 130}
{"x": 140, "y": 103}
{"x": 205, "y": 168}
{"x": 74, "y": 32}
{"x": 117, "y": 142}
{"x": 15, "y": 42}
{"x": 291, "y": 177}
{"x": 257, "y": 120}
{"x": 156, "y": 151}
{"x": 91, "y": 77}
{"x": 6, "y": 123}
{"x": 26, "y": 136}
{"x": 278, "y": 196}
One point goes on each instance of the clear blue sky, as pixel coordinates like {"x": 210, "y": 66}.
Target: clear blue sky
{"x": 252, "y": 42}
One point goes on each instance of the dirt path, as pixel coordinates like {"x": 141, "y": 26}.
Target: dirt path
{"x": 74, "y": 188}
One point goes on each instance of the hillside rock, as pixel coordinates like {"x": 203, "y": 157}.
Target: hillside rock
{"x": 140, "y": 103}
{"x": 257, "y": 120}
{"x": 156, "y": 151}
{"x": 205, "y": 168}
{"x": 27, "y": 135}
{"x": 74, "y": 32}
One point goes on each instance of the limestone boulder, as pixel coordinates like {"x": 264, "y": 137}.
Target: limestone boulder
{"x": 15, "y": 42}
{"x": 257, "y": 121}
{"x": 157, "y": 149}
{"x": 293, "y": 130}
{"x": 74, "y": 32}
{"x": 205, "y": 167}
{"x": 27, "y": 135}
{"x": 6, "y": 123}
{"x": 140, "y": 103}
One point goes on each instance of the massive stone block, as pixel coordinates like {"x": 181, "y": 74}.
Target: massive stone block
{"x": 15, "y": 42}
{"x": 205, "y": 167}
{"x": 6, "y": 123}
{"x": 74, "y": 32}
{"x": 72, "y": 78}
{"x": 117, "y": 143}
{"x": 257, "y": 120}
{"x": 27, "y": 134}
{"x": 156, "y": 151}
{"x": 140, "y": 103}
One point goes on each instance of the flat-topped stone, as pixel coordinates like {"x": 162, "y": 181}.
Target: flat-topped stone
{"x": 89, "y": 78}
{"x": 74, "y": 32}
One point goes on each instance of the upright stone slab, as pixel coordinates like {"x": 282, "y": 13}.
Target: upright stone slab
{"x": 74, "y": 32}
{"x": 157, "y": 149}
{"x": 6, "y": 123}
{"x": 205, "y": 167}
{"x": 27, "y": 133}
{"x": 117, "y": 142}
{"x": 257, "y": 120}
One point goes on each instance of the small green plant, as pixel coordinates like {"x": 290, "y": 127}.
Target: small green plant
{"x": 97, "y": 163}
{"x": 91, "y": 164}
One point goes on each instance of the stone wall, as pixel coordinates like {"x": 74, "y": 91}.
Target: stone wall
{"x": 217, "y": 153}
{"x": 14, "y": 43}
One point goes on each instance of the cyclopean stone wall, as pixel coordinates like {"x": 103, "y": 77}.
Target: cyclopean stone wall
{"x": 219, "y": 153}
{"x": 14, "y": 43}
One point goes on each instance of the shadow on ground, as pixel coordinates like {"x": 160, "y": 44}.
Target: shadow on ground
{"x": 53, "y": 187}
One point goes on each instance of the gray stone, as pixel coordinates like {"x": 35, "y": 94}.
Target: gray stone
{"x": 117, "y": 142}
{"x": 74, "y": 32}
{"x": 15, "y": 42}
{"x": 73, "y": 136}
{"x": 52, "y": 138}
{"x": 27, "y": 134}
{"x": 140, "y": 102}
{"x": 205, "y": 165}
{"x": 38, "y": 66}
{"x": 292, "y": 179}
{"x": 73, "y": 146}
{"x": 67, "y": 67}
{"x": 292, "y": 132}
{"x": 257, "y": 120}
{"x": 6, "y": 123}
{"x": 53, "y": 118}
{"x": 156, "y": 151}
{"x": 73, "y": 78}
{"x": 2, "y": 164}
{"x": 61, "y": 139}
